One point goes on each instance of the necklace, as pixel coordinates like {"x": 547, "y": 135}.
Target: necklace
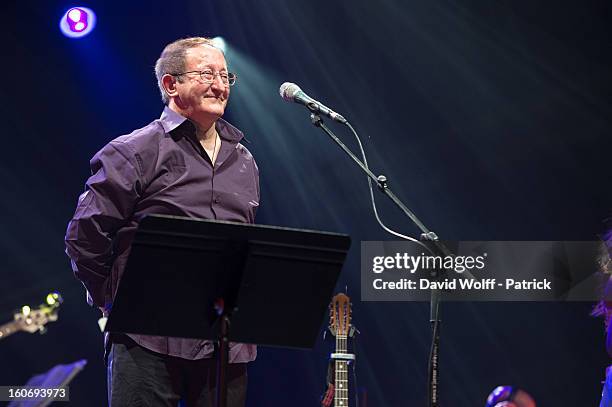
{"x": 214, "y": 152}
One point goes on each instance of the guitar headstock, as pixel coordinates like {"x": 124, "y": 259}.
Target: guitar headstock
{"x": 340, "y": 315}
{"x": 30, "y": 320}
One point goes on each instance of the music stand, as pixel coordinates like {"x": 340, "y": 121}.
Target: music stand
{"x": 197, "y": 278}
{"x": 56, "y": 377}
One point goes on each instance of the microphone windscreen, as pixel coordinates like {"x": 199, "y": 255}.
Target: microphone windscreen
{"x": 288, "y": 91}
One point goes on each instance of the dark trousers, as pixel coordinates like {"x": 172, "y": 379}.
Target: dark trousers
{"x": 139, "y": 377}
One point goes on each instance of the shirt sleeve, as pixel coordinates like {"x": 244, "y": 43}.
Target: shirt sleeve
{"x": 106, "y": 205}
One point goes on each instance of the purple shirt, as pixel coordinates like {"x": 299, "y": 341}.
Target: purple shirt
{"x": 158, "y": 169}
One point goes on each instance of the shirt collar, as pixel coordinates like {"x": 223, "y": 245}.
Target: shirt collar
{"x": 171, "y": 120}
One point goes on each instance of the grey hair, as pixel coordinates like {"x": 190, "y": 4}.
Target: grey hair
{"x": 172, "y": 59}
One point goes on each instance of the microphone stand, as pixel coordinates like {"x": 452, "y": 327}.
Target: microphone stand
{"x": 427, "y": 235}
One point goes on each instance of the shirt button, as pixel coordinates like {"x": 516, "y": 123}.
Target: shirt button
{"x": 216, "y": 200}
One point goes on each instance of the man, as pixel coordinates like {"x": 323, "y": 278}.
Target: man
{"x": 189, "y": 163}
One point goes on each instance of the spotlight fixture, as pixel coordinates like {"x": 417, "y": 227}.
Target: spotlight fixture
{"x": 77, "y": 22}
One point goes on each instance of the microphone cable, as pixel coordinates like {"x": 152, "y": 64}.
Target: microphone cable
{"x": 373, "y": 200}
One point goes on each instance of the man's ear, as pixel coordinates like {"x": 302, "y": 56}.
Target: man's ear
{"x": 169, "y": 84}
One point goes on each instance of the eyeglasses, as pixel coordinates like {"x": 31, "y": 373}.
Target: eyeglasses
{"x": 208, "y": 76}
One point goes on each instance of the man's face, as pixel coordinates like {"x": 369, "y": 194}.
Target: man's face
{"x": 202, "y": 101}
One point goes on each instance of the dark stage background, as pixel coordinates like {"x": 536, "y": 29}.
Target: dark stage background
{"x": 491, "y": 119}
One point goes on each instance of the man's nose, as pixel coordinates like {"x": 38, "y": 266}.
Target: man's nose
{"x": 217, "y": 83}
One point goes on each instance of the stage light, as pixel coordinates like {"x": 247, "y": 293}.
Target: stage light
{"x": 219, "y": 42}
{"x": 74, "y": 14}
{"x": 77, "y": 22}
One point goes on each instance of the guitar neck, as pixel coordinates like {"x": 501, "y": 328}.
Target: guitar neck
{"x": 9, "y": 329}
{"x": 341, "y": 376}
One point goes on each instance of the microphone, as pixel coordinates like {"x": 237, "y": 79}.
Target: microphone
{"x": 292, "y": 93}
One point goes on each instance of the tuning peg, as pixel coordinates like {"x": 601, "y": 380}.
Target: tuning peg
{"x": 54, "y": 298}
{"x": 25, "y": 310}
